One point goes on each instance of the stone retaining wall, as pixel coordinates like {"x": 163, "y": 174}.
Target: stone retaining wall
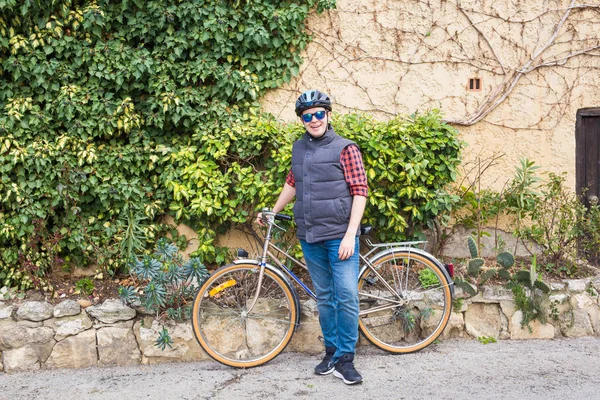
{"x": 36, "y": 335}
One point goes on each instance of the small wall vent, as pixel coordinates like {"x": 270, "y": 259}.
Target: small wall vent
{"x": 474, "y": 85}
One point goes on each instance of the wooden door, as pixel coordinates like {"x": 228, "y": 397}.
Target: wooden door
{"x": 587, "y": 150}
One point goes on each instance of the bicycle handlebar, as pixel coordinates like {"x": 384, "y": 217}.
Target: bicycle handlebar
{"x": 280, "y": 217}
{"x": 283, "y": 217}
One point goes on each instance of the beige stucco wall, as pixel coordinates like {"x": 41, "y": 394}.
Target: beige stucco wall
{"x": 388, "y": 57}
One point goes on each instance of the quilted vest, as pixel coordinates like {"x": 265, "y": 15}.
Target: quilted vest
{"x": 323, "y": 200}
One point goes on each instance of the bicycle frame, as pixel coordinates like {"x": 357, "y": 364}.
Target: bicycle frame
{"x": 366, "y": 259}
{"x": 404, "y": 294}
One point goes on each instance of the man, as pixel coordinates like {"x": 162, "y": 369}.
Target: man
{"x": 329, "y": 183}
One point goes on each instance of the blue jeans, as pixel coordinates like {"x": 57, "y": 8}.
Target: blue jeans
{"x": 336, "y": 285}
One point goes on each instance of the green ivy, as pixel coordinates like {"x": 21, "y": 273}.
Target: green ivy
{"x": 109, "y": 107}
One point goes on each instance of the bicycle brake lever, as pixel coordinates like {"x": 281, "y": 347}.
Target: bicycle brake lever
{"x": 278, "y": 227}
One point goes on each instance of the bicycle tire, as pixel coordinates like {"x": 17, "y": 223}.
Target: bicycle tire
{"x": 229, "y": 336}
{"x": 412, "y": 316}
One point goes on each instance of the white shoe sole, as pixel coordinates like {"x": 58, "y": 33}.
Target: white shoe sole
{"x": 347, "y": 382}
{"x": 326, "y": 372}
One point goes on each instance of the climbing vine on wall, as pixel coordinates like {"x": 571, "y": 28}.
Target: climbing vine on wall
{"x": 107, "y": 105}
{"x": 389, "y": 55}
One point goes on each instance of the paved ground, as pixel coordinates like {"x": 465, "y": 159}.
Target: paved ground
{"x": 454, "y": 369}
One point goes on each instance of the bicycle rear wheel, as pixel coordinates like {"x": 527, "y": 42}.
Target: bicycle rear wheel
{"x": 232, "y": 335}
{"x": 405, "y": 301}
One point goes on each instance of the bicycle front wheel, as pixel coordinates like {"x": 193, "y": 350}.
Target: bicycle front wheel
{"x": 405, "y": 301}
{"x": 234, "y": 335}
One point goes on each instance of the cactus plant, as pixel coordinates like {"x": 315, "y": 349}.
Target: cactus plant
{"x": 531, "y": 278}
{"x": 480, "y": 273}
{"x": 472, "y": 247}
{"x": 465, "y": 286}
{"x": 505, "y": 260}
{"x": 475, "y": 266}
{"x": 504, "y": 274}
{"x": 487, "y": 275}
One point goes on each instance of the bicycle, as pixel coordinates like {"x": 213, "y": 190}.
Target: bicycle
{"x": 246, "y": 312}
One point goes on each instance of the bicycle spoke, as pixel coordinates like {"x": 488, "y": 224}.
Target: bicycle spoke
{"x": 404, "y": 301}
{"x": 379, "y": 297}
{"x": 228, "y": 331}
{"x": 384, "y": 282}
{"x": 285, "y": 321}
{"x": 373, "y": 310}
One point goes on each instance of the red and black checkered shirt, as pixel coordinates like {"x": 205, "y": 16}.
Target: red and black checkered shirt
{"x": 354, "y": 171}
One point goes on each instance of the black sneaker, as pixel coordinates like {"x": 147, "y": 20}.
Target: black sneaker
{"x": 344, "y": 369}
{"x": 326, "y": 366}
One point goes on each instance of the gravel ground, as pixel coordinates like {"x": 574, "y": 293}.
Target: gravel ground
{"x": 454, "y": 369}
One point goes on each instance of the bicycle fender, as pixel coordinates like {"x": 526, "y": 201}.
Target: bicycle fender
{"x": 420, "y": 252}
{"x": 281, "y": 275}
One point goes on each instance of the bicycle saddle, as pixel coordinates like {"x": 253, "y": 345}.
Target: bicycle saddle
{"x": 365, "y": 229}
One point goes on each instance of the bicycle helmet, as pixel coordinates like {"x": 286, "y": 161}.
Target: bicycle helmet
{"x": 310, "y": 99}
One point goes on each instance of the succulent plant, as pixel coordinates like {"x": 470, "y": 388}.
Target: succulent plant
{"x": 505, "y": 260}
{"x": 472, "y": 247}
{"x": 474, "y": 266}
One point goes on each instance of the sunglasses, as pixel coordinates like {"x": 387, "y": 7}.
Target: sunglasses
{"x": 308, "y": 117}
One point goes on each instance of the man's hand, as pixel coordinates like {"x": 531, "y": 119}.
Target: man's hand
{"x": 287, "y": 194}
{"x": 347, "y": 247}
{"x": 259, "y": 219}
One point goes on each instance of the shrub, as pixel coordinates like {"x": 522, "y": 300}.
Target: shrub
{"x": 589, "y": 240}
{"x": 409, "y": 163}
{"x": 556, "y": 225}
{"x": 477, "y": 207}
{"x": 530, "y": 294}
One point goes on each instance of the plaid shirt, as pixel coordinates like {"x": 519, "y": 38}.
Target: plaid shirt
{"x": 354, "y": 171}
